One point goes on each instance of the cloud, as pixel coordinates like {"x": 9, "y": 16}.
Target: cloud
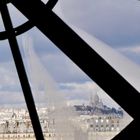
{"x": 79, "y": 93}
{"x": 10, "y": 89}
{"x": 132, "y": 49}
{"x": 132, "y": 52}
{"x": 11, "y": 98}
{"x": 5, "y": 53}
{"x": 62, "y": 69}
{"x": 114, "y": 22}
{"x": 8, "y": 77}
{"x": 79, "y": 90}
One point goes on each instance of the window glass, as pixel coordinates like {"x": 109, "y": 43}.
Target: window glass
{"x": 67, "y": 100}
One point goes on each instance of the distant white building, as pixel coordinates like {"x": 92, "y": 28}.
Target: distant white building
{"x": 95, "y": 119}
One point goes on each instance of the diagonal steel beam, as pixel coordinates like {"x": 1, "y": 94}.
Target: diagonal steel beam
{"x": 82, "y": 55}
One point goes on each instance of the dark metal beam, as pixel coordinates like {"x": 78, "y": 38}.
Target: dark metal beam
{"x": 21, "y": 72}
{"x": 27, "y": 25}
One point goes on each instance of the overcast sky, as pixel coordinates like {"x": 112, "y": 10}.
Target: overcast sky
{"x": 114, "y": 22}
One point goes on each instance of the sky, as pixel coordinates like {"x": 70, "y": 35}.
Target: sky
{"x": 115, "y": 23}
